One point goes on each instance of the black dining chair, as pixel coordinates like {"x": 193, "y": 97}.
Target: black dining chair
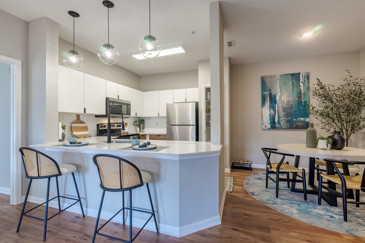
{"x": 347, "y": 182}
{"x": 282, "y": 168}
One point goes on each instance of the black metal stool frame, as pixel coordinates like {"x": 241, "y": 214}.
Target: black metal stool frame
{"x": 267, "y": 152}
{"x": 46, "y": 218}
{"x": 130, "y": 208}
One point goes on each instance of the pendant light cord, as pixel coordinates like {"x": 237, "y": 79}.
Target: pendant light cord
{"x": 73, "y": 35}
{"x": 108, "y": 25}
{"x": 149, "y": 16}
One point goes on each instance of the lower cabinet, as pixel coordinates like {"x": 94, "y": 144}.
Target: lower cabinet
{"x": 153, "y": 137}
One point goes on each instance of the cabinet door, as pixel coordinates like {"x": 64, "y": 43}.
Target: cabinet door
{"x": 136, "y": 102}
{"x": 111, "y": 89}
{"x": 179, "y": 95}
{"x": 139, "y": 104}
{"x": 192, "y": 95}
{"x": 124, "y": 92}
{"x": 150, "y": 103}
{"x": 164, "y": 97}
{"x": 70, "y": 90}
{"x": 94, "y": 95}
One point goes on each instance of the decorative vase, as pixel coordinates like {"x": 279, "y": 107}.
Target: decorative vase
{"x": 311, "y": 136}
{"x": 338, "y": 141}
{"x": 63, "y": 136}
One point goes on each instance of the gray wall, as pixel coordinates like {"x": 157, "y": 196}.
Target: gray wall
{"x": 165, "y": 81}
{"x": 5, "y": 124}
{"x": 247, "y": 137}
{"x": 93, "y": 66}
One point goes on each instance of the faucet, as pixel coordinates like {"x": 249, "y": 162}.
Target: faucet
{"x": 109, "y": 125}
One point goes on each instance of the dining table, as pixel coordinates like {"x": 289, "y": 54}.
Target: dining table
{"x": 300, "y": 150}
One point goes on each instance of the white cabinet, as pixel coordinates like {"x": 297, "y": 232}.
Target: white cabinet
{"x": 94, "y": 95}
{"x": 136, "y": 102}
{"x": 179, "y": 95}
{"x": 164, "y": 97}
{"x": 192, "y": 95}
{"x": 150, "y": 103}
{"x": 111, "y": 89}
{"x": 124, "y": 92}
{"x": 70, "y": 90}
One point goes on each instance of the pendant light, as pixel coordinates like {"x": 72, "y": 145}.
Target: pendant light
{"x": 149, "y": 45}
{"x": 72, "y": 58}
{"x": 107, "y": 53}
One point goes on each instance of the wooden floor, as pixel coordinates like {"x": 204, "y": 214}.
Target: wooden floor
{"x": 244, "y": 220}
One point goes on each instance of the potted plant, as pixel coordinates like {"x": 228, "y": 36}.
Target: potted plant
{"x": 324, "y": 143}
{"x": 340, "y": 108}
{"x": 136, "y": 125}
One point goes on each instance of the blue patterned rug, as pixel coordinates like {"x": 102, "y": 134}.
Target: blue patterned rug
{"x": 293, "y": 205}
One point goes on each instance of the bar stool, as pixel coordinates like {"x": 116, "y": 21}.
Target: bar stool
{"x": 120, "y": 175}
{"x": 38, "y": 165}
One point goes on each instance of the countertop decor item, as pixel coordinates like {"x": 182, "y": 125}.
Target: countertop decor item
{"x": 135, "y": 140}
{"x": 149, "y": 46}
{"x": 338, "y": 141}
{"x": 72, "y": 58}
{"x": 324, "y": 143}
{"x": 339, "y": 108}
{"x": 77, "y": 144}
{"x": 311, "y": 136}
{"x": 107, "y": 53}
{"x": 148, "y": 147}
{"x": 79, "y": 128}
{"x": 63, "y": 133}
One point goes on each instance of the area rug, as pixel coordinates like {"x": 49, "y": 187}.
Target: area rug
{"x": 228, "y": 183}
{"x": 293, "y": 205}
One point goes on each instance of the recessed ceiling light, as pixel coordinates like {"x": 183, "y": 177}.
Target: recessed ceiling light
{"x": 310, "y": 33}
{"x": 164, "y": 52}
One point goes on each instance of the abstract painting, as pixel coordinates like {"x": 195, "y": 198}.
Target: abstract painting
{"x": 285, "y": 101}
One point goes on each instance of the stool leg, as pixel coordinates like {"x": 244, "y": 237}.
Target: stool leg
{"x": 130, "y": 219}
{"x": 123, "y": 210}
{"x": 23, "y": 208}
{"x": 46, "y": 214}
{"x": 97, "y": 219}
{"x": 277, "y": 184}
{"x": 304, "y": 180}
{"x": 78, "y": 195}
{"x": 267, "y": 177}
{"x": 288, "y": 179}
{"x": 357, "y": 198}
{"x": 153, "y": 210}
{"x": 58, "y": 195}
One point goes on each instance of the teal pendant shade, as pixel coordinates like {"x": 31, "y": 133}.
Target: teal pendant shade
{"x": 149, "y": 46}
{"x": 311, "y": 136}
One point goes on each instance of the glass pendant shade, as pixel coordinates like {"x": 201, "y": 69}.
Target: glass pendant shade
{"x": 73, "y": 59}
{"x": 149, "y": 47}
{"x": 108, "y": 54}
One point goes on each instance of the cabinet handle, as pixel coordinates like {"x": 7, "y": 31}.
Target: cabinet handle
{"x": 84, "y": 110}
{"x": 118, "y": 97}
{"x": 136, "y": 113}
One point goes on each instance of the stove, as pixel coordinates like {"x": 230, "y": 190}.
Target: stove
{"x": 102, "y": 129}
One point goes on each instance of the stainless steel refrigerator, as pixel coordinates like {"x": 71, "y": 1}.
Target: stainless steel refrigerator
{"x": 182, "y": 121}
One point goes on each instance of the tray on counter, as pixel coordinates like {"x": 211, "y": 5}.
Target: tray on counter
{"x": 149, "y": 147}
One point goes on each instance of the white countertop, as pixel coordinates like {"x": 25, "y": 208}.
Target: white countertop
{"x": 174, "y": 149}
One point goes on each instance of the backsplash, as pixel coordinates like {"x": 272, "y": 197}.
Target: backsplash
{"x": 91, "y": 121}
{"x": 152, "y": 124}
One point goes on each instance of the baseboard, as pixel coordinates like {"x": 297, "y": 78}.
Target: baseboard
{"x": 222, "y": 203}
{"x": 258, "y": 166}
{"x": 227, "y": 170}
{"x": 5, "y": 190}
{"x": 137, "y": 222}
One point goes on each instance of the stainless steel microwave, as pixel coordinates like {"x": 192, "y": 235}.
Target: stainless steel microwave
{"x": 124, "y": 105}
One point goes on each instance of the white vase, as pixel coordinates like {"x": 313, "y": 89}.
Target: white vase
{"x": 323, "y": 144}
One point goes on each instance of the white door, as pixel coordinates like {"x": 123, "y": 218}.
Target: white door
{"x": 150, "y": 103}
{"x": 164, "y": 97}
{"x": 71, "y": 90}
{"x": 192, "y": 95}
{"x": 94, "y": 95}
{"x": 139, "y": 103}
{"x": 179, "y": 95}
{"x": 123, "y": 92}
{"x": 111, "y": 89}
{"x": 136, "y": 102}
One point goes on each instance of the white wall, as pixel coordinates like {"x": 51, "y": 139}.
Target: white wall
{"x": 5, "y": 80}
{"x": 247, "y": 137}
{"x": 362, "y": 63}
{"x": 165, "y": 81}
{"x": 93, "y": 66}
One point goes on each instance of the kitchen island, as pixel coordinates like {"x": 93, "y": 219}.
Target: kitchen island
{"x": 185, "y": 182}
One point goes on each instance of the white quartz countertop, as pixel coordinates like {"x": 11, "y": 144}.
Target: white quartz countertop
{"x": 170, "y": 149}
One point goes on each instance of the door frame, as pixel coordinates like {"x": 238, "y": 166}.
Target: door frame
{"x": 15, "y": 128}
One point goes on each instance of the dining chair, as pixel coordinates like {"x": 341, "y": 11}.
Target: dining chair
{"x": 347, "y": 182}
{"x": 321, "y": 167}
{"x": 282, "y": 168}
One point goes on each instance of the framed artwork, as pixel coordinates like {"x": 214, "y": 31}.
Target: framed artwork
{"x": 285, "y": 101}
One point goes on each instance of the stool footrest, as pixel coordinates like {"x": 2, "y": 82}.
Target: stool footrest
{"x": 42, "y": 219}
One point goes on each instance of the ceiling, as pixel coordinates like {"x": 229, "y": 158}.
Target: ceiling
{"x": 263, "y": 30}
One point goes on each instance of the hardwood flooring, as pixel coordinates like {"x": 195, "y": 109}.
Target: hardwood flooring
{"x": 244, "y": 220}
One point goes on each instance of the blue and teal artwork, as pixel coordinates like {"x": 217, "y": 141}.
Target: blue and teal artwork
{"x": 285, "y": 101}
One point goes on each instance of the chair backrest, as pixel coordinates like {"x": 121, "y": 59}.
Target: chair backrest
{"x": 269, "y": 151}
{"x": 116, "y": 173}
{"x": 37, "y": 164}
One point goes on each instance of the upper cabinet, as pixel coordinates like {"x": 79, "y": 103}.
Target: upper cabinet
{"x": 70, "y": 90}
{"x": 164, "y": 97}
{"x": 186, "y": 95}
{"x": 136, "y": 102}
{"x": 179, "y": 95}
{"x": 94, "y": 95}
{"x": 150, "y": 103}
{"x": 111, "y": 89}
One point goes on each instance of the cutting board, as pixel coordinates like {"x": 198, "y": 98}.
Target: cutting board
{"x": 79, "y": 128}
